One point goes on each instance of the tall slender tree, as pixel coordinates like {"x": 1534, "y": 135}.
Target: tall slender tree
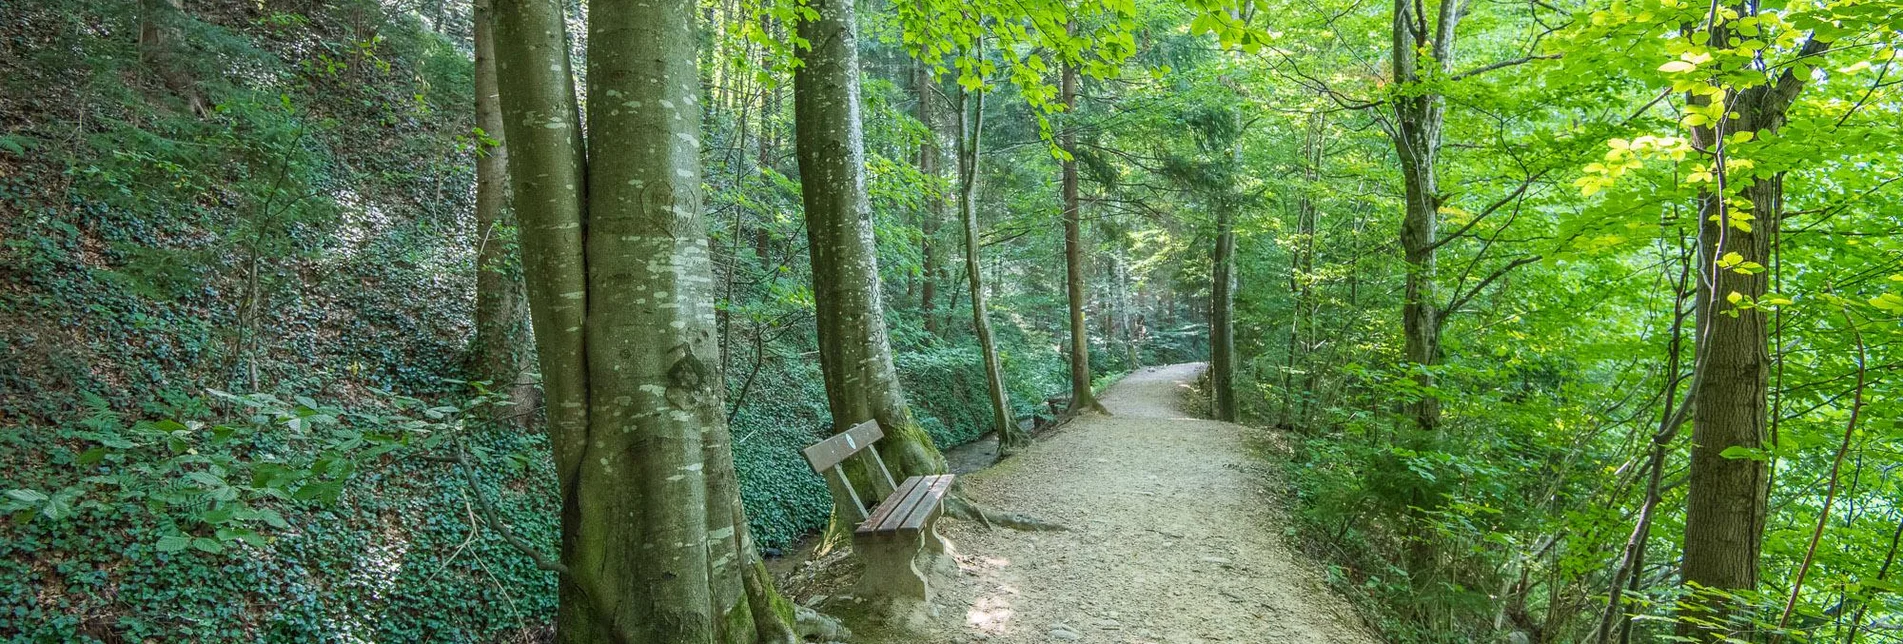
{"x": 1222, "y": 336}
{"x": 502, "y": 353}
{"x": 854, "y": 352}
{"x": 1221, "y": 134}
{"x": 931, "y": 154}
{"x": 1416, "y": 131}
{"x": 1081, "y": 397}
{"x": 654, "y": 546}
{"x": 971, "y": 122}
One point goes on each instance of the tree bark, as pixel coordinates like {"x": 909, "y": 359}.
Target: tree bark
{"x": 1726, "y": 497}
{"x": 1222, "y": 342}
{"x": 855, "y": 355}
{"x": 1416, "y": 135}
{"x": 1222, "y": 298}
{"x": 1081, "y": 396}
{"x": 971, "y": 134}
{"x": 502, "y": 353}
{"x": 159, "y": 42}
{"x": 654, "y": 545}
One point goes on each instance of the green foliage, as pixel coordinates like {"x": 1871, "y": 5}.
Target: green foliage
{"x": 248, "y": 518}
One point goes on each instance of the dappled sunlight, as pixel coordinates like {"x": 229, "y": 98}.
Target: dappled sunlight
{"x": 992, "y": 613}
{"x": 377, "y": 570}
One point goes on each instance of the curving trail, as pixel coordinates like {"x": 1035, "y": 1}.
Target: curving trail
{"x": 1173, "y": 538}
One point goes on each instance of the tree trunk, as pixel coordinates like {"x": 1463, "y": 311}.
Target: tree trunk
{"x": 767, "y": 154}
{"x": 1301, "y": 280}
{"x": 1081, "y": 397}
{"x": 1010, "y": 438}
{"x": 1725, "y": 497}
{"x": 930, "y": 154}
{"x": 502, "y": 354}
{"x": 854, "y": 353}
{"x": 1222, "y": 342}
{"x": 654, "y": 546}
{"x": 159, "y": 46}
{"x": 1416, "y": 134}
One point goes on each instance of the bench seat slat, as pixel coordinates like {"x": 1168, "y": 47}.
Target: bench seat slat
{"x": 889, "y": 505}
{"x": 934, "y": 492}
{"x": 909, "y": 508}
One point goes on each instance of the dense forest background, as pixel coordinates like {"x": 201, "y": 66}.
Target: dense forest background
{"x": 1472, "y": 261}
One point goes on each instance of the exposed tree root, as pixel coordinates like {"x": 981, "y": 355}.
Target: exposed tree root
{"x": 957, "y": 507}
{"x": 815, "y": 626}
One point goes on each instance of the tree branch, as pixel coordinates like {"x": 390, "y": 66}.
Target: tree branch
{"x": 1454, "y": 306}
{"x": 489, "y": 517}
{"x": 1500, "y": 65}
{"x": 1490, "y": 209}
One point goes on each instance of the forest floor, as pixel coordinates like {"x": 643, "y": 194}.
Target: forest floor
{"x": 1174, "y": 537}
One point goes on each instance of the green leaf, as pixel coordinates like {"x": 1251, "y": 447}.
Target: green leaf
{"x": 58, "y": 507}
{"x": 173, "y": 543}
{"x": 15, "y": 143}
{"x": 27, "y": 496}
{"x": 218, "y": 515}
{"x": 273, "y": 519}
{"x": 1740, "y": 452}
{"x": 322, "y": 491}
{"x": 240, "y": 534}
{"x": 208, "y": 545}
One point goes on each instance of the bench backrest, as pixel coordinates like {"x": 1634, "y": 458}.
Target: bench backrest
{"x": 828, "y": 455}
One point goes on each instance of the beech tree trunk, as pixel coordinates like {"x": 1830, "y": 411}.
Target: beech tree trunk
{"x": 971, "y": 134}
{"x": 654, "y": 545}
{"x": 854, "y": 353}
{"x": 1726, "y": 497}
{"x": 1081, "y": 397}
{"x": 501, "y": 350}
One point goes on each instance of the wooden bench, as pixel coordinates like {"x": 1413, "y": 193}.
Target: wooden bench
{"x": 891, "y": 535}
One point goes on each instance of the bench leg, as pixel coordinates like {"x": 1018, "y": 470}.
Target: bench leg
{"x": 897, "y": 592}
{"x": 889, "y": 569}
{"x": 936, "y": 556}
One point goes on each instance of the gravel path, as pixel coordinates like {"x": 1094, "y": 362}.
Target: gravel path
{"x": 1173, "y": 538}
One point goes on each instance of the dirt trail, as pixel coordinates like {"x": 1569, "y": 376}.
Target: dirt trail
{"x": 1173, "y": 538}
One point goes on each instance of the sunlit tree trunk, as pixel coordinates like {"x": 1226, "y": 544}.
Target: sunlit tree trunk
{"x": 654, "y": 548}
{"x": 1081, "y": 397}
{"x": 502, "y": 353}
{"x": 854, "y": 353}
